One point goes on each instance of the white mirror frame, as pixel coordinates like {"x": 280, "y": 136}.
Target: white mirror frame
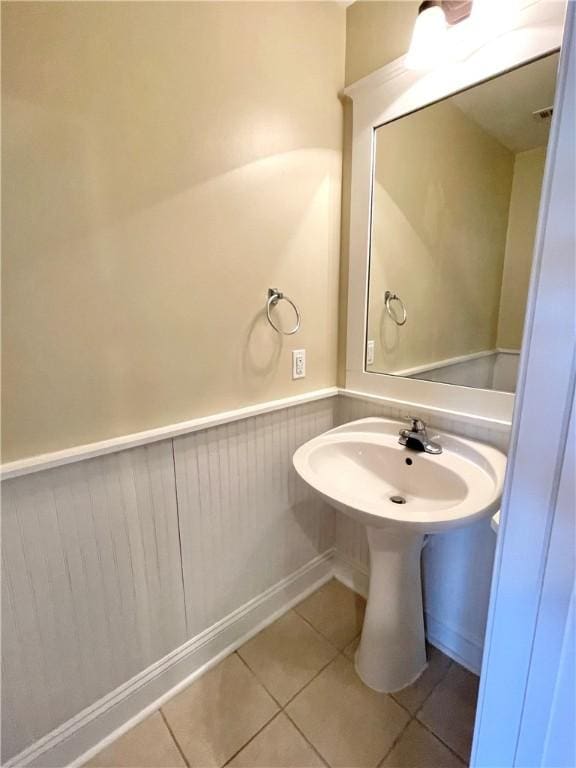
{"x": 390, "y": 93}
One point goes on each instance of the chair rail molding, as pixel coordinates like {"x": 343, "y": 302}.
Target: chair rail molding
{"x": 123, "y": 442}
{"x": 41, "y": 462}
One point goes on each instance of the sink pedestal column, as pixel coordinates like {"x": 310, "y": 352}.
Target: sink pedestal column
{"x": 392, "y": 650}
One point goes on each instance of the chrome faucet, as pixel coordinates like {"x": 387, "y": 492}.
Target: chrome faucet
{"x": 417, "y": 437}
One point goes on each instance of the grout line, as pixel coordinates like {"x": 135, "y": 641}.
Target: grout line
{"x": 396, "y": 740}
{"x": 441, "y": 680}
{"x": 298, "y": 692}
{"x": 251, "y": 739}
{"x": 260, "y": 682}
{"x": 174, "y": 739}
{"x": 428, "y": 728}
{"x": 282, "y": 709}
{"x": 414, "y": 714}
{"x": 319, "y": 632}
{"x": 441, "y": 740}
{"x": 410, "y": 715}
{"x": 322, "y": 635}
{"x": 318, "y": 673}
{"x": 306, "y": 739}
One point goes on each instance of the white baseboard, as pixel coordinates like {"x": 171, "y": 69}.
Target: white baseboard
{"x": 465, "y": 651}
{"x": 354, "y": 575}
{"x": 81, "y": 737}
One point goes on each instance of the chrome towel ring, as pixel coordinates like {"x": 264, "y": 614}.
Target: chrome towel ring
{"x": 388, "y": 297}
{"x": 274, "y": 296}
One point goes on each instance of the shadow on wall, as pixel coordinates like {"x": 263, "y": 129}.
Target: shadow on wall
{"x": 157, "y": 289}
{"x": 167, "y": 163}
{"x": 389, "y": 332}
{"x": 260, "y": 356}
{"x": 163, "y": 296}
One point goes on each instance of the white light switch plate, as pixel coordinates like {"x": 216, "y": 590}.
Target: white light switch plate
{"x": 370, "y": 353}
{"x": 298, "y": 363}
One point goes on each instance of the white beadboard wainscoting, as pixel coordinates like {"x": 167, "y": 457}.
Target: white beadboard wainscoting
{"x": 497, "y": 369}
{"x": 92, "y": 585}
{"x": 247, "y": 520}
{"x": 127, "y": 574}
{"x": 112, "y": 563}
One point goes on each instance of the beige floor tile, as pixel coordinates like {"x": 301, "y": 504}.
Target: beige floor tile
{"x": 147, "y": 745}
{"x": 335, "y": 611}
{"x": 215, "y": 716}
{"x": 349, "y": 724}
{"x": 286, "y": 655}
{"x": 279, "y": 745}
{"x": 415, "y": 695}
{"x": 450, "y": 710}
{"x": 418, "y": 748}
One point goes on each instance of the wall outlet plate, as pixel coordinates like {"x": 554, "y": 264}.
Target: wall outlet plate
{"x": 370, "y": 353}
{"x": 298, "y": 363}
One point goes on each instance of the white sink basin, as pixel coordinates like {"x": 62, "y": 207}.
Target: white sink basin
{"x": 360, "y": 467}
{"x": 399, "y": 495}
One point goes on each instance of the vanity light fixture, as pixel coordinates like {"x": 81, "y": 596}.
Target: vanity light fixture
{"x": 428, "y": 47}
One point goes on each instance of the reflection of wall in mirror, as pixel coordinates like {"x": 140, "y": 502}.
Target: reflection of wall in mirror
{"x": 487, "y": 370}
{"x": 444, "y": 243}
{"x": 522, "y": 220}
{"x": 441, "y": 196}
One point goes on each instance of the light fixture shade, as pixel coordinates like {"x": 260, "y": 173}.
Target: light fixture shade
{"x": 428, "y": 46}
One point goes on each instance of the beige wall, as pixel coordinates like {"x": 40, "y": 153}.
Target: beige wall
{"x": 164, "y": 164}
{"x": 439, "y": 233}
{"x": 376, "y": 34}
{"x": 522, "y": 221}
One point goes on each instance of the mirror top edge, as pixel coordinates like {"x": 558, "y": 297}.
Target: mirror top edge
{"x": 555, "y": 52}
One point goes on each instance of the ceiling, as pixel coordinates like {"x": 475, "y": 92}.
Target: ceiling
{"x": 503, "y": 107}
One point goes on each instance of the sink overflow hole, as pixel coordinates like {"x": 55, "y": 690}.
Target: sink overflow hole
{"x": 409, "y": 462}
{"x": 398, "y": 499}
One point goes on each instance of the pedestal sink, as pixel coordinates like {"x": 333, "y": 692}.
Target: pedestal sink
{"x": 399, "y": 495}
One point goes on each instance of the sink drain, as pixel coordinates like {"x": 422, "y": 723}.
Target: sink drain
{"x": 398, "y": 499}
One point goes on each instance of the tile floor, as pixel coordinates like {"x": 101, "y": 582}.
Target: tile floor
{"x": 289, "y": 698}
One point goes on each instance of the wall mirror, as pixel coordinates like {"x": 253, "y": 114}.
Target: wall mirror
{"x": 455, "y": 197}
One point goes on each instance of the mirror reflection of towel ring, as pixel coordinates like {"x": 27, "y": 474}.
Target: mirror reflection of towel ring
{"x": 388, "y": 297}
{"x": 274, "y": 296}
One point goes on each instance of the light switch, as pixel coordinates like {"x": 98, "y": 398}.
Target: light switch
{"x": 298, "y": 363}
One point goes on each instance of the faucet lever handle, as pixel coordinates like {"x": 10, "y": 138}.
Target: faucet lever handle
{"x": 416, "y": 424}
